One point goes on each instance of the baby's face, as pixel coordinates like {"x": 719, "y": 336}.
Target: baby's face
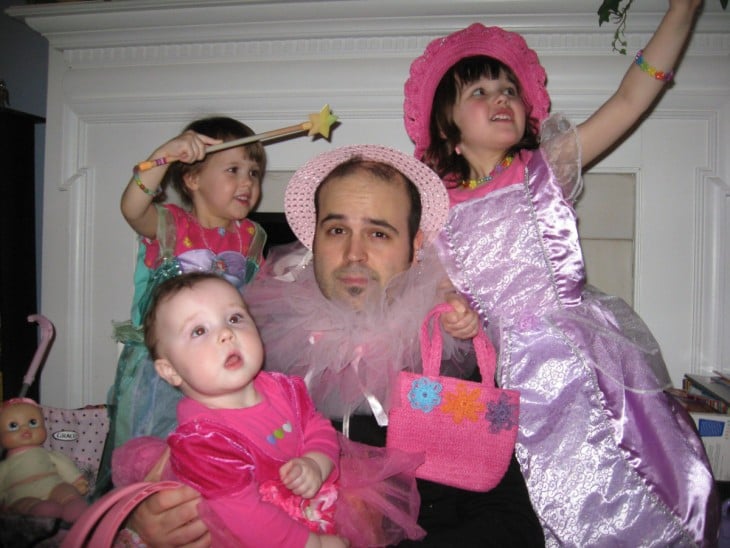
{"x": 210, "y": 340}
{"x": 22, "y": 425}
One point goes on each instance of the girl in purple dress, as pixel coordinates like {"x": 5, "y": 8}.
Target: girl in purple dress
{"x": 608, "y": 457}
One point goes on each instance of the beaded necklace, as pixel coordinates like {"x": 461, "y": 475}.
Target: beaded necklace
{"x": 221, "y": 231}
{"x": 471, "y": 184}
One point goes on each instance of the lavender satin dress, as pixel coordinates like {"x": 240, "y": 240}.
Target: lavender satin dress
{"x": 609, "y": 458}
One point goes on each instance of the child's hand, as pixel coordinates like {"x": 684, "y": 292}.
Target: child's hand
{"x": 462, "y": 322}
{"x": 81, "y": 485}
{"x": 188, "y": 147}
{"x": 302, "y": 476}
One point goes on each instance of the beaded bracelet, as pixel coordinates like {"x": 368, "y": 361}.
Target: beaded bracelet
{"x": 154, "y": 193}
{"x": 650, "y": 70}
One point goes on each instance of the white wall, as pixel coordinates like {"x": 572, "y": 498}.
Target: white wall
{"x": 124, "y": 76}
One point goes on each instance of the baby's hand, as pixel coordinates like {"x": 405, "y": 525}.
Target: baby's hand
{"x": 462, "y": 322}
{"x": 81, "y": 485}
{"x": 302, "y": 477}
{"x": 188, "y": 147}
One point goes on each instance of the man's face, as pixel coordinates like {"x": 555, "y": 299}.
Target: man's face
{"x": 361, "y": 239}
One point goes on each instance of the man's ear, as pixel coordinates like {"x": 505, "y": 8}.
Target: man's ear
{"x": 417, "y": 246}
{"x": 168, "y": 373}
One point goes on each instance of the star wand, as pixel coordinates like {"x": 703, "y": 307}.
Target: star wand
{"x": 318, "y": 123}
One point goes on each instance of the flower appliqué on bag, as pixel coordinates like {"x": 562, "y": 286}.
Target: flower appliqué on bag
{"x": 425, "y": 394}
{"x": 463, "y": 404}
{"x": 501, "y": 414}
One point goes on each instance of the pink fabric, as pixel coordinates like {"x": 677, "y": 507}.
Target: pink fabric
{"x": 512, "y": 175}
{"x": 190, "y": 235}
{"x": 236, "y": 470}
{"x": 467, "y": 430}
{"x": 228, "y": 454}
{"x": 349, "y": 359}
{"x": 606, "y": 454}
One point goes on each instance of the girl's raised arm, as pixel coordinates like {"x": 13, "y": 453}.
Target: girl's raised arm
{"x": 137, "y": 207}
{"x": 641, "y": 84}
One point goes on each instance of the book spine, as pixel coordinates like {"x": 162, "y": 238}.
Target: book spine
{"x": 709, "y": 398}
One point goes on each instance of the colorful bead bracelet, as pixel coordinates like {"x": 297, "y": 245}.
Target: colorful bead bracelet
{"x": 650, "y": 70}
{"x": 140, "y": 184}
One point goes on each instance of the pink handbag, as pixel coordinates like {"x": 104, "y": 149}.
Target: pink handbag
{"x": 98, "y": 525}
{"x": 467, "y": 430}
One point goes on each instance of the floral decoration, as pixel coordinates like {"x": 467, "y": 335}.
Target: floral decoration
{"x": 502, "y": 414}
{"x": 425, "y": 394}
{"x": 463, "y": 404}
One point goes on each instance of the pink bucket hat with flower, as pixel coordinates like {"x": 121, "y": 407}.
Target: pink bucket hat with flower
{"x": 442, "y": 53}
{"x": 299, "y": 195}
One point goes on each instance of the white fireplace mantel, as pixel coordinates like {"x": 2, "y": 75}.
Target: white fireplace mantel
{"x": 125, "y": 75}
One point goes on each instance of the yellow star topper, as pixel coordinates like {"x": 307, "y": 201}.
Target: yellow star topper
{"x": 321, "y": 122}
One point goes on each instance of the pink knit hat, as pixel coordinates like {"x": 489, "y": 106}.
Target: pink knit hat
{"x": 442, "y": 53}
{"x": 299, "y": 195}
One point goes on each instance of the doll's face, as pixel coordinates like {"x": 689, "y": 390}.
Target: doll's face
{"x": 22, "y": 425}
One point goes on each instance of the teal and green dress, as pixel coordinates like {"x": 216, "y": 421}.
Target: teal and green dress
{"x": 140, "y": 402}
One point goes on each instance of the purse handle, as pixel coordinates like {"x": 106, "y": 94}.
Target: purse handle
{"x": 432, "y": 347}
{"x": 99, "y": 524}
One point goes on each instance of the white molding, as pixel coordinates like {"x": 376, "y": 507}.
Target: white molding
{"x": 91, "y": 24}
{"x": 710, "y": 321}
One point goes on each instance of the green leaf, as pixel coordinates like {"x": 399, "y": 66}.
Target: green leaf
{"x": 608, "y": 8}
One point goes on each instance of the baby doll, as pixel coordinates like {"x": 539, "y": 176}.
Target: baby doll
{"x": 34, "y": 480}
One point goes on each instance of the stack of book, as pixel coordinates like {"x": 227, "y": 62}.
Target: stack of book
{"x": 707, "y": 398}
{"x": 709, "y": 391}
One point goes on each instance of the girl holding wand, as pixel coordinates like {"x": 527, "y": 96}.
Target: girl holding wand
{"x": 210, "y": 233}
{"x": 607, "y": 455}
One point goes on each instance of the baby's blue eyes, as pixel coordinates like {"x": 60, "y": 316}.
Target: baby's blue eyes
{"x": 33, "y": 423}
{"x": 13, "y": 426}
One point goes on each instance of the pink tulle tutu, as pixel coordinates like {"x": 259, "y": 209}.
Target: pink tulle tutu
{"x": 349, "y": 359}
{"x": 375, "y": 502}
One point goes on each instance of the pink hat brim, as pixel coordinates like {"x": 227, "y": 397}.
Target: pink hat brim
{"x": 299, "y": 195}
